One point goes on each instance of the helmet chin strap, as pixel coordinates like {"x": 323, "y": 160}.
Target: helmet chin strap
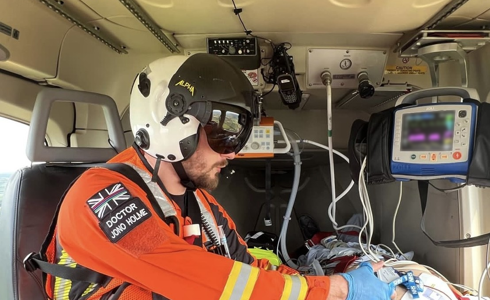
{"x": 184, "y": 179}
{"x": 154, "y": 177}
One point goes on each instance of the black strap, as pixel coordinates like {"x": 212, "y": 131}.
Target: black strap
{"x": 119, "y": 291}
{"x": 184, "y": 179}
{"x": 470, "y": 242}
{"x": 423, "y": 192}
{"x": 75, "y": 274}
{"x": 155, "y": 296}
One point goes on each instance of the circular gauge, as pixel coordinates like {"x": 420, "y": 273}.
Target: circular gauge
{"x": 345, "y": 64}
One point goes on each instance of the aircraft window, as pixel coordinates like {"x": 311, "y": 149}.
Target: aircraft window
{"x": 230, "y": 123}
{"x": 216, "y": 117}
{"x": 12, "y": 153}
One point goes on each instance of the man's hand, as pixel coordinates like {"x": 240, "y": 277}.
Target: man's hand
{"x": 360, "y": 284}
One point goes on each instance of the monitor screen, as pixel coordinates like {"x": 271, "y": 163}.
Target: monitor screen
{"x": 428, "y": 131}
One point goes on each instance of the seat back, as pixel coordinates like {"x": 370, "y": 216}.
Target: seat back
{"x": 33, "y": 193}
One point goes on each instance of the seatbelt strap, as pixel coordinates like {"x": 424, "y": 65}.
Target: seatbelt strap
{"x": 464, "y": 243}
{"x": 33, "y": 262}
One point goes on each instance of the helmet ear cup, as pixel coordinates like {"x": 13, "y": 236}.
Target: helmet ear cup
{"x": 144, "y": 85}
{"x": 142, "y": 139}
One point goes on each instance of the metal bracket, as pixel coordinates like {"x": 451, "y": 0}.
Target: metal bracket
{"x": 59, "y": 9}
{"x": 468, "y": 40}
{"x": 153, "y": 27}
{"x": 436, "y": 54}
{"x": 445, "y": 12}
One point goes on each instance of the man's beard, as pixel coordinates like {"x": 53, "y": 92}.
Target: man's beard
{"x": 203, "y": 178}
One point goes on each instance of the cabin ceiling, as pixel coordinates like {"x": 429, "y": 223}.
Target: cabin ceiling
{"x": 312, "y": 23}
{"x": 340, "y": 24}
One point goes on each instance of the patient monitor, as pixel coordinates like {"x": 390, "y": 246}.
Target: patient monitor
{"x": 433, "y": 141}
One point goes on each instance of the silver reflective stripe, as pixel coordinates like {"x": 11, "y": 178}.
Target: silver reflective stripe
{"x": 296, "y": 288}
{"x": 241, "y": 282}
{"x": 207, "y": 217}
{"x": 166, "y": 206}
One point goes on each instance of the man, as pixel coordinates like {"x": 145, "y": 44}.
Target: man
{"x": 170, "y": 239}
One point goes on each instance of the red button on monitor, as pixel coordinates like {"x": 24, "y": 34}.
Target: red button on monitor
{"x": 457, "y": 155}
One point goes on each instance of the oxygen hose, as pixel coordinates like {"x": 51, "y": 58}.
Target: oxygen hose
{"x": 327, "y": 81}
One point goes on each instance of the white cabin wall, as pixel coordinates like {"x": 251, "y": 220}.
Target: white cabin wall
{"x": 474, "y": 205}
{"x": 17, "y": 97}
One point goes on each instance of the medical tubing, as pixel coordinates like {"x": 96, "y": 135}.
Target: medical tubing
{"x": 331, "y": 215}
{"x": 337, "y": 199}
{"x": 480, "y": 285}
{"x": 292, "y": 198}
{"x": 328, "y": 84}
{"x": 394, "y": 220}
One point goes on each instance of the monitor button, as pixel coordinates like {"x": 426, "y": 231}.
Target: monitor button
{"x": 433, "y": 157}
{"x": 457, "y": 155}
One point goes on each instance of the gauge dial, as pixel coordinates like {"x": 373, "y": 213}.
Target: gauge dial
{"x": 345, "y": 64}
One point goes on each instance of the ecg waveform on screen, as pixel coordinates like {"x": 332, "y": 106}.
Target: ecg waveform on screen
{"x": 428, "y": 131}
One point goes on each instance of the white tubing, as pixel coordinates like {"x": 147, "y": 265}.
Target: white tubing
{"x": 292, "y": 198}
{"x": 480, "y": 285}
{"x": 330, "y": 150}
{"x": 337, "y": 199}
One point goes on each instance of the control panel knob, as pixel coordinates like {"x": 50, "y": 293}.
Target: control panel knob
{"x": 255, "y": 145}
{"x": 232, "y": 50}
{"x": 240, "y": 51}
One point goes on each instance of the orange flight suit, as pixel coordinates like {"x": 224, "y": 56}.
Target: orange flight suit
{"x": 106, "y": 223}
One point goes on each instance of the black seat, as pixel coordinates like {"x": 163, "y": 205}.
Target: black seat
{"x": 33, "y": 193}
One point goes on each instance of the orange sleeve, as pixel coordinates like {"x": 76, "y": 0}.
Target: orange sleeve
{"x": 120, "y": 235}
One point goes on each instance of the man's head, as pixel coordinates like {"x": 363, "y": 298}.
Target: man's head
{"x": 183, "y": 106}
{"x": 205, "y": 165}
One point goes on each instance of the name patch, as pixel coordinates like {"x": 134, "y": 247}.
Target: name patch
{"x": 124, "y": 218}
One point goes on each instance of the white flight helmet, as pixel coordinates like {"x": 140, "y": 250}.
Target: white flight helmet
{"x": 175, "y": 95}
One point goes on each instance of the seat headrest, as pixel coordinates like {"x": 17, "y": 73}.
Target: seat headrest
{"x": 37, "y": 151}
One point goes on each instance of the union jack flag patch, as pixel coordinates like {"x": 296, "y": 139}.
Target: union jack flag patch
{"x": 104, "y": 201}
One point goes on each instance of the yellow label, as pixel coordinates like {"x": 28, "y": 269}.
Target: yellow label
{"x": 406, "y": 70}
{"x": 187, "y": 85}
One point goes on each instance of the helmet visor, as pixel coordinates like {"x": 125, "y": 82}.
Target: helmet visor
{"x": 228, "y": 128}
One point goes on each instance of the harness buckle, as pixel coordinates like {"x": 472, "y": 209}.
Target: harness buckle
{"x": 29, "y": 264}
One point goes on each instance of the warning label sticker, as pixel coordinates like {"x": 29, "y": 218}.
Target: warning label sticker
{"x": 253, "y": 76}
{"x": 406, "y": 70}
